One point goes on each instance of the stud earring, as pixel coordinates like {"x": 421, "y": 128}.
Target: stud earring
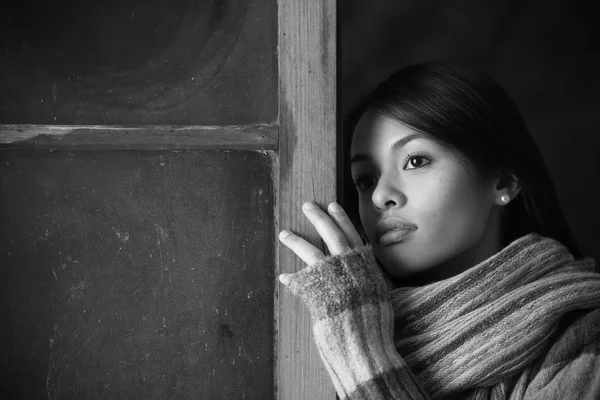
{"x": 504, "y": 199}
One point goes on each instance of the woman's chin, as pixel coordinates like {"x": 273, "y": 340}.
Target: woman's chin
{"x": 400, "y": 266}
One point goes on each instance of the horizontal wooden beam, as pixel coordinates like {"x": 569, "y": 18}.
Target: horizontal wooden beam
{"x": 154, "y": 137}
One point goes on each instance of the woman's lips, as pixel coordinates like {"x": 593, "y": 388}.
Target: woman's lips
{"x": 393, "y": 230}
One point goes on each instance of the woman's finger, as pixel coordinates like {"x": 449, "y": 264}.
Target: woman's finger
{"x": 303, "y": 249}
{"x": 343, "y": 222}
{"x": 285, "y": 279}
{"x": 333, "y": 237}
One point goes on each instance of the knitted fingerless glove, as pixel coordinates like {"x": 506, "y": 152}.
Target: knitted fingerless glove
{"x": 348, "y": 299}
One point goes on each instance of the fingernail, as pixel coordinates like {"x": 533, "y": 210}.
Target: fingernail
{"x": 283, "y": 234}
{"x": 309, "y": 206}
{"x": 335, "y": 207}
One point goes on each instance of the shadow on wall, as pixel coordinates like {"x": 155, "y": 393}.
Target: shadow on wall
{"x": 545, "y": 54}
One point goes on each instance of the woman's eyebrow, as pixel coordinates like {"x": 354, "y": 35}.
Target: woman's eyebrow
{"x": 402, "y": 142}
{"x": 395, "y": 146}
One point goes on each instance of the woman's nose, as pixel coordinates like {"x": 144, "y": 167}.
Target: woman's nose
{"x": 387, "y": 195}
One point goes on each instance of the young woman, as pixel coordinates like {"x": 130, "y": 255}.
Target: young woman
{"x": 470, "y": 285}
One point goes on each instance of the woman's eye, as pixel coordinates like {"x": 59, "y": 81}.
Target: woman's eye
{"x": 416, "y": 161}
{"x": 363, "y": 183}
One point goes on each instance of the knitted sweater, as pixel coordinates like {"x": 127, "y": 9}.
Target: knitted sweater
{"x": 524, "y": 324}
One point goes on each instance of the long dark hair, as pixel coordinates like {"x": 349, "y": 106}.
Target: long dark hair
{"x": 474, "y": 116}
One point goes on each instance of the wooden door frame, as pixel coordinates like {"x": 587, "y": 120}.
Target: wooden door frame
{"x": 303, "y": 141}
{"x": 307, "y": 163}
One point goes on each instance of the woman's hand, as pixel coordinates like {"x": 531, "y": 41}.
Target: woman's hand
{"x": 335, "y": 229}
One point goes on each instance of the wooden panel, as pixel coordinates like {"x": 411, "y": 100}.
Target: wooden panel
{"x": 139, "y": 137}
{"x": 307, "y": 107}
{"x": 147, "y": 62}
{"x": 138, "y": 275}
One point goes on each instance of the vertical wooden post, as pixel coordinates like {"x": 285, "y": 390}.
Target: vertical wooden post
{"x": 307, "y": 160}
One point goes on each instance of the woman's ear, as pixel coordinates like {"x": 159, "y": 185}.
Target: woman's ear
{"x": 507, "y": 187}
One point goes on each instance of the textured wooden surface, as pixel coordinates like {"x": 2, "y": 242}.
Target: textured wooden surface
{"x": 252, "y": 137}
{"x": 225, "y": 94}
{"x": 136, "y": 274}
{"x": 130, "y": 62}
{"x": 307, "y": 109}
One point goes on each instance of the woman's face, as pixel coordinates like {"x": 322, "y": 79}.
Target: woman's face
{"x": 425, "y": 211}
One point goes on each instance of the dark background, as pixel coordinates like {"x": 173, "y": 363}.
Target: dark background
{"x": 546, "y": 54}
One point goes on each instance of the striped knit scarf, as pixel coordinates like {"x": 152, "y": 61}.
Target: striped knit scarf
{"x": 487, "y": 324}
{"x": 477, "y": 333}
